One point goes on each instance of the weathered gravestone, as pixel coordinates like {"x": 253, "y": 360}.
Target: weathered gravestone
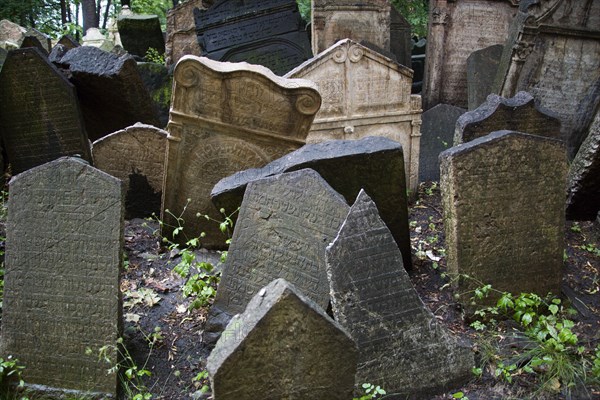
{"x": 227, "y": 117}
{"x": 3, "y": 54}
{"x": 482, "y": 66}
{"x": 456, "y": 29}
{"x": 40, "y": 118}
{"x": 32, "y": 41}
{"x": 136, "y": 155}
{"x": 417, "y": 63}
{"x": 583, "y": 202}
{"x": 68, "y": 42}
{"x": 553, "y": 52}
{"x": 41, "y": 37}
{"x": 264, "y": 32}
{"x": 140, "y": 32}
{"x": 110, "y": 89}
{"x": 284, "y": 225}
{"x": 437, "y": 135}
{"x": 401, "y": 347}
{"x": 63, "y": 256}
{"x": 181, "y": 31}
{"x": 283, "y": 346}
{"x": 9, "y": 31}
{"x": 503, "y": 197}
{"x": 520, "y": 113}
{"x": 374, "y": 164}
{"x": 365, "y": 94}
{"x": 400, "y": 37}
{"x": 94, "y": 38}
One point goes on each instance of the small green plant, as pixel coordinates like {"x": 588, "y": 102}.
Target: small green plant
{"x": 152, "y": 55}
{"x": 10, "y": 371}
{"x": 200, "y": 381}
{"x": 371, "y": 392}
{"x": 431, "y": 189}
{"x": 459, "y": 395}
{"x": 591, "y": 248}
{"x": 575, "y": 227}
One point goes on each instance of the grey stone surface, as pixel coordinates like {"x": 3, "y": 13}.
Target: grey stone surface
{"x": 520, "y": 113}
{"x": 400, "y": 37}
{"x": 503, "y": 197}
{"x": 40, "y": 117}
{"x": 41, "y": 37}
{"x": 401, "y": 346}
{"x": 283, "y": 346}
{"x": 63, "y": 257}
{"x": 141, "y": 32}
{"x": 482, "y": 66}
{"x": 284, "y": 225}
{"x": 374, "y": 164}
{"x": 437, "y": 135}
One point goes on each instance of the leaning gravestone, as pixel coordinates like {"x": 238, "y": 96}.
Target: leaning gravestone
{"x": 9, "y": 31}
{"x": 520, "y": 113}
{"x": 503, "y": 197}
{"x": 375, "y": 164}
{"x": 136, "y": 155}
{"x": 401, "y": 346}
{"x": 437, "y": 135}
{"x": 94, "y": 38}
{"x": 283, "y": 346}
{"x": 284, "y": 225}
{"x": 40, "y": 118}
{"x": 63, "y": 258}
{"x": 140, "y": 32}
{"x": 227, "y": 117}
{"x": 365, "y": 94}
{"x": 264, "y": 32}
{"x": 482, "y": 66}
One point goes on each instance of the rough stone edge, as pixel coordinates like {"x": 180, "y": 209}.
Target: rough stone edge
{"x": 130, "y": 129}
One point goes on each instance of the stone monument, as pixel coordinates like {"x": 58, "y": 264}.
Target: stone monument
{"x": 140, "y": 32}
{"x": 181, "y": 31}
{"x": 482, "y": 66}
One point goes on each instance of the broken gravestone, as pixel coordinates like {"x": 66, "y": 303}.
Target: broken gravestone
{"x": 520, "y": 113}
{"x": 504, "y": 197}
{"x": 136, "y": 155}
{"x": 482, "y": 66}
{"x": 40, "y": 118}
{"x": 284, "y": 225}
{"x": 63, "y": 257}
{"x": 140, "y": 32}
{"x": 401, "y": 346}
{"x": 283, "y": 346}
{"x": 374, "y": 164}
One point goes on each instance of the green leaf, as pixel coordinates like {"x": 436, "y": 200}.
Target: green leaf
{"x": 458, "y": 395}
{"x": 553, "y": 308}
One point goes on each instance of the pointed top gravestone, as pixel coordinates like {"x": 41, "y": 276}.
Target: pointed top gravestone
{"x": 68, "y": 42}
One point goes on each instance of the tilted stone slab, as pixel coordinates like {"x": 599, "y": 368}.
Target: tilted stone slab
{"x": 401, "y": 346}
{"x": 9, "y": 31}
{"x": 283, "y": 346}
{"x": 374, "y": 164}
{"x": 40, "y": 117}
{"x": 519, "y": 113}
{"x": 141, "y": 32}
{"x": 136, "y": 155}
{"x": 503, "y": 197}
{"x": 482, "y": 66}
{"x": 62, "y": 295}
{"x": 227, "y": 117}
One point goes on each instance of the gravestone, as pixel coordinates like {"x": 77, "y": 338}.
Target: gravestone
{"x": 503, "y": 197}
{"x": 284, "y": 225}
{"x": 417, "y": 63}
{"x": 400, "y": 37}
{"x": 365, "y": 94}
{"x": 227, "y": 117}
{"x": 41, "y": 37}
{"x": 374, "y": 164}
{"x": 456, "y": 29}
{"x": 63, "y": 258}
{"x": 520, "y": 113}
{"x": 40, "y": 118}
{"x": 140, "y": 32}
{"x": 181, "y": 31}
{"x": 3, "y": 54}
{"x": 264, "y": 32}
{"x": 583, "y": 201}
{"x": 94, "y": 38}
{"x": 68, "y": 42}
{"x": 401, "y": 346}
{"x": 553, "y": 52}
{"x": 11, "y": 32}
{"x": 32, "y": 41}
{"x": 135, "y": 155}
{"x": 283, "y": 346}
{"x": 482, "y": 66}
{"x": 110, "y": 89}
{"x": 159, "y": 83}
{"x": 437, "y": 135}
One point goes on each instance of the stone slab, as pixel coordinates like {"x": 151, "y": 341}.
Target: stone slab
{"x": 374, "y": 164}
{"x": 41, "y": 37}
{"x": 95, "y": 38}
{"x": 68, "y": 41}
{"x": 40, "y": 117}
{"x": 140, "y": 32}
{"x": 400, "y": 37}
{"x": 63, "y": 258}
{"x": 181, "y": 31}
{"x": 482, "y": 66}
{"x": 9, "y": 31}
{"x": 283, "y": 346}
{"x": 32, "y": 41}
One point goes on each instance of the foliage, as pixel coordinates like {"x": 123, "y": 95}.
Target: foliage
{"x": 371, "y": 392}
{"x": 416, "y": 13}
{"x": 155, "y": 7}
{"x": 152, "y": 55}
{"x": 304, "y": 8}
{"x": 10, "y": 370}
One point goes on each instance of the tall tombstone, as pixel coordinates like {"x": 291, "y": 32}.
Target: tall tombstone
{"x": 437, "y": 135}
{"x": 365, "y": 94}
{"x": 227, "y": 117}
{"x": 553, "y": 52}
{"x": 40, "y": 118}
{"x": 140, "y": 32}
{"x": 482, "y": 66}
{"x": 456, "y": 29}
{"x": 136, "y": 155}
{"x": 63, "y": 257}
{"x": 503, "y": 197}
{"x": 375, "y": 164}
{"x": 269, "y": 33}
{"x": 181, "y": 31}
{"x": 401, "y": 346}
{"x": 520, "y": 113}
{"x": 283, "y": 346}
{"x": 284, "y": 225}
{"x": 400, "y": 37}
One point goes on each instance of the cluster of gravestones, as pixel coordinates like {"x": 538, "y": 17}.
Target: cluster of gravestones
{"x": 237, "y": 136}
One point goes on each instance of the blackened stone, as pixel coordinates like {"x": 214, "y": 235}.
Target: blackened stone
{"x": 481, "y": 71}
{"x": 44, "y": 39}
{"x": 57, "y": 53}
{"x": 32, "y": 41}
{"x": 3, "y": 54}
{"x": 400, "y": 42}
{"x": 158, "y": 82}
{"x": 141, "y": 32}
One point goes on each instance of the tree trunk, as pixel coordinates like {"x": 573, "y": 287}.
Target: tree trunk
{"x": 63, "y": 12}
{"x": 88, "y": 13}
{"x": 106, "y": 14}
